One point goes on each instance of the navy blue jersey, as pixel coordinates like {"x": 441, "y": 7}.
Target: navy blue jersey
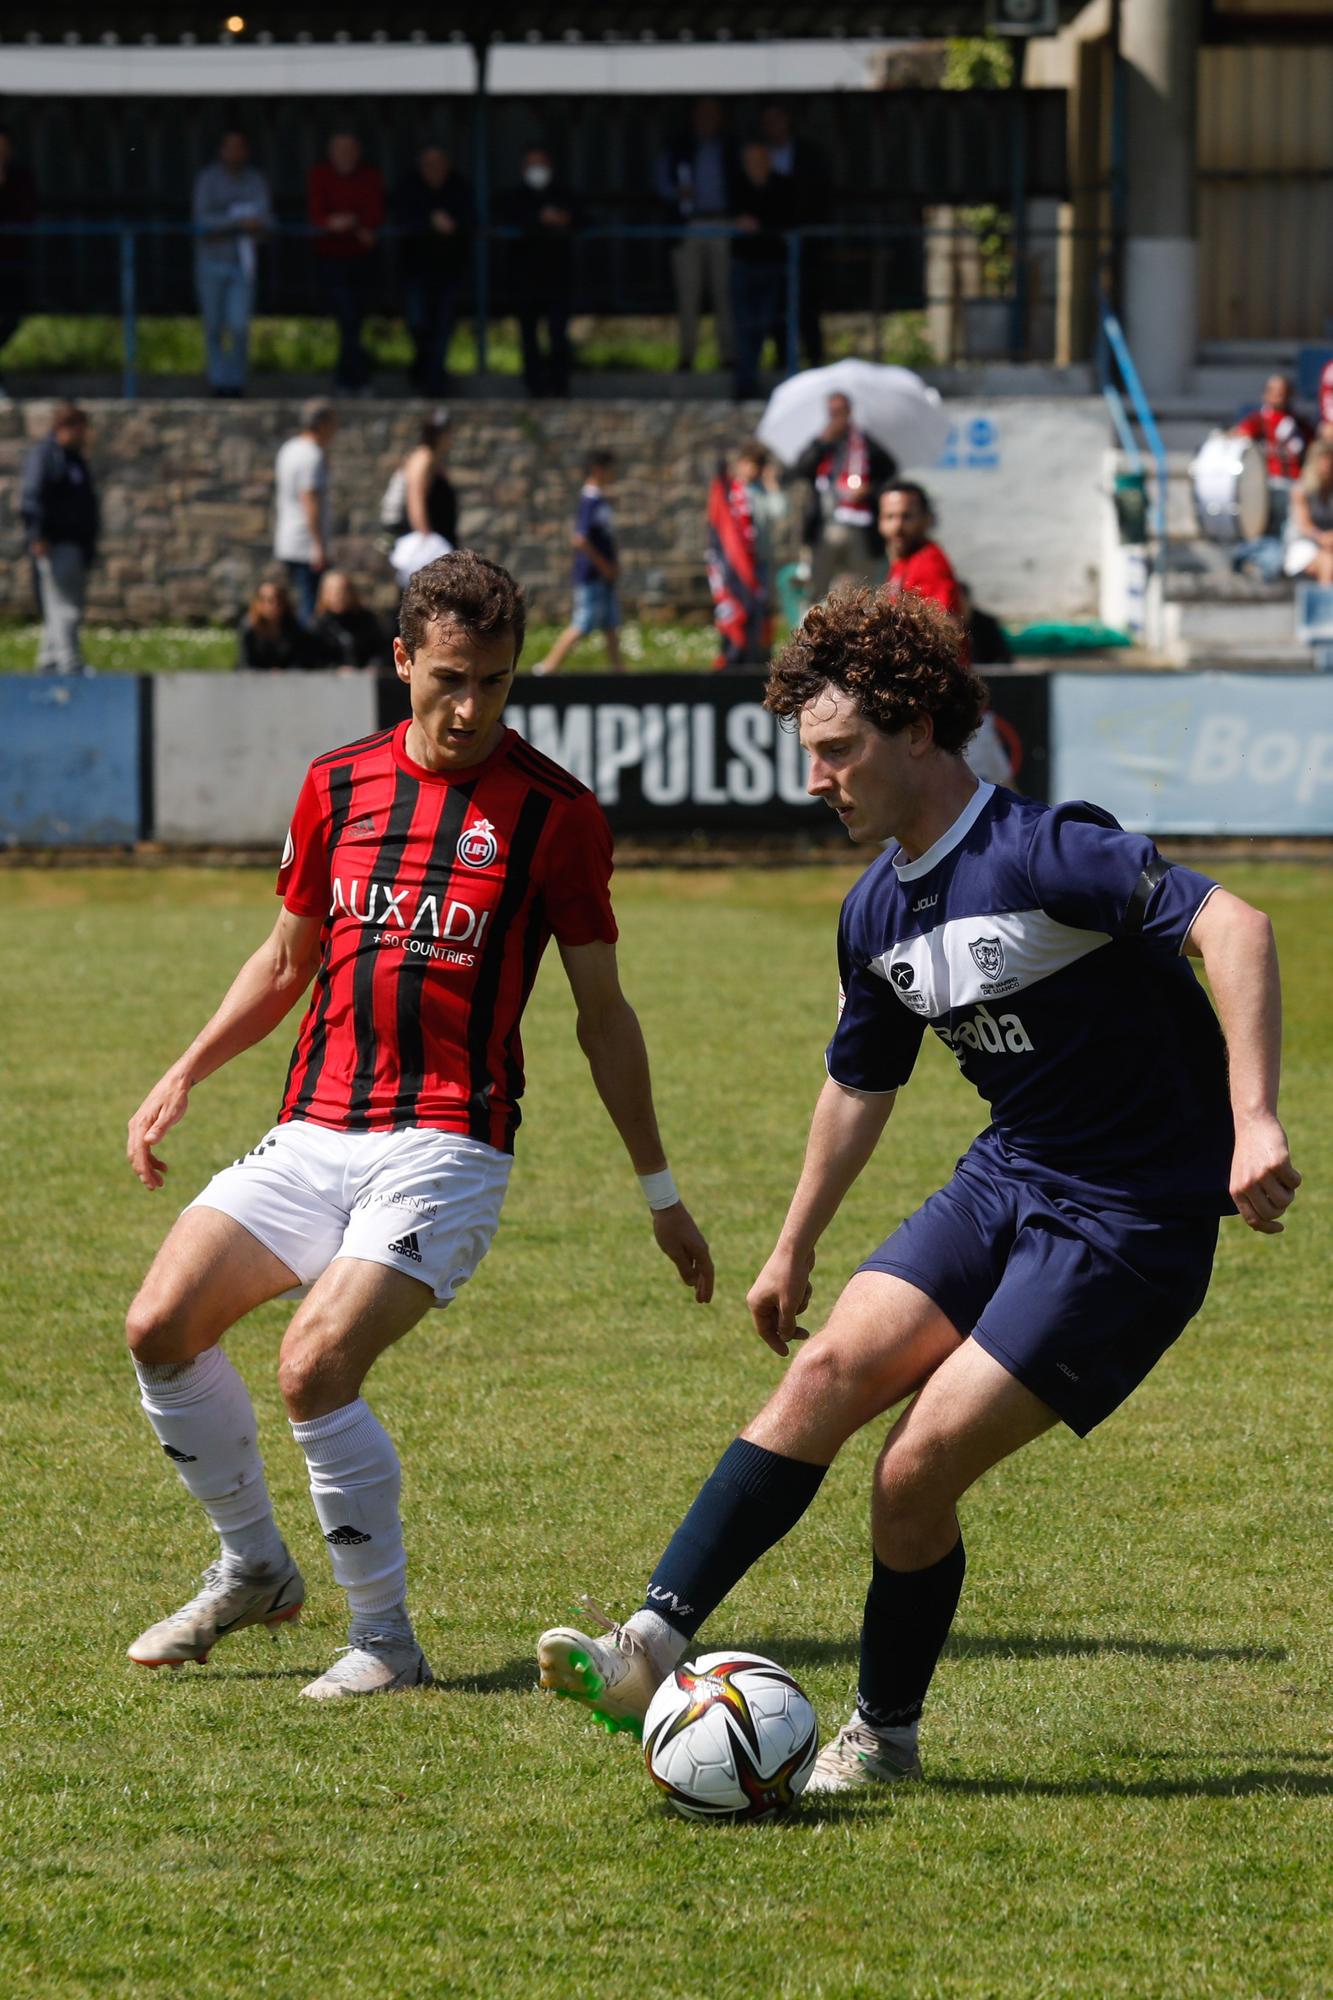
{"x": 1042, "y": 944}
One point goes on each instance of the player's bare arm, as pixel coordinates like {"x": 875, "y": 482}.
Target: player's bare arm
{"x": 1235, "y": 942}
{"x": 612, "y": 1040}
{"x": 263, "y": 992}
{"x": 844, "y": 1132}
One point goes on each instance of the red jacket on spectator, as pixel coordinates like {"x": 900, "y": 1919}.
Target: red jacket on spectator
{"x": 360, "y": 193}
{"x": 1284, "y": 437}
{"x": 929, "y": 573}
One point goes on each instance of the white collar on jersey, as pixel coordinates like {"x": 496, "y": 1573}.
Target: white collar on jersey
{"x": 912, "y": 871}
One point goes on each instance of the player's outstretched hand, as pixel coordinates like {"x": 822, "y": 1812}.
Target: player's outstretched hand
{"x": 779, "y": 1295}
{"x": 1263, "y": 1180}
{"x": 679, "y": 1238}
{"x": 163, "y": 1107}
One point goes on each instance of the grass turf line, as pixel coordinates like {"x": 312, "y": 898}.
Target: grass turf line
{"x": 1126, "y": 1750}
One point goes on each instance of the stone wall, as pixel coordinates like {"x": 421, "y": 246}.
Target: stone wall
{"x": 186, "y": 493}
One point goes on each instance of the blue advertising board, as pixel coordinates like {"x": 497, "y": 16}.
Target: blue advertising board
{"x": 1220, "y": 753}
{"x": 70, "y": 766}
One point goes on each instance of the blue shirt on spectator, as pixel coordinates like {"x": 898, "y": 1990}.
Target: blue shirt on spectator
{"x": 593, "y": 522}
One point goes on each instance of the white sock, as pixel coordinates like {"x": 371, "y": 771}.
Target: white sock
{"x": 665, "y": 1644}
{"x": 901, "y": 1740}
{"x": 355, "y": 1482}
{"x": 205, "y": 1423}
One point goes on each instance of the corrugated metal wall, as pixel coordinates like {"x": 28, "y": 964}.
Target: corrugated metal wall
{"x": 1265, "y": 192}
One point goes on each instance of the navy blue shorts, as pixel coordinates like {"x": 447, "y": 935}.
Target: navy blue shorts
{"x": 1077, "y": 1301}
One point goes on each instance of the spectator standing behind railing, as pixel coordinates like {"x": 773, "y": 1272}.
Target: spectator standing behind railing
{"x": 61, "y": 517}
{"x": 270, "y": 637}
{"x": 544, "y": 210}
{"x": 695, "y": 179}
{"x": 346, "y": 204}
{"x": 302, "y": 510}
{"x": 758, "y": 261}
{"x": 433, "y": 204}
{"x": 18, "y": 206}
{"x": 232, "y": 203}
{"x": 802, "y": 167}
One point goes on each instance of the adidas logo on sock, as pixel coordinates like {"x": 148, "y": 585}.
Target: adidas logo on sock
{"x": 181, "y": 1457}
{"x": 347, "y": 1537}
{"x": 407, "y": 1246}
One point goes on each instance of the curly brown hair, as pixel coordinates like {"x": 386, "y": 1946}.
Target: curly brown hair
{"x": 464, "y": 589}
{"x": 898, "y": 658}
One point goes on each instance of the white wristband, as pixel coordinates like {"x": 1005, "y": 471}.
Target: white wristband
{"x": 660, "y": 1190}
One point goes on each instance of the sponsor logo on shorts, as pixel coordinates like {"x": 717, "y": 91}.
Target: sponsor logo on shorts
{"x": 478, "y": 847}
{"x": 411, "y": 1201}
{"x": 347, "y": 1537}
{"x": 407, "y": 1246}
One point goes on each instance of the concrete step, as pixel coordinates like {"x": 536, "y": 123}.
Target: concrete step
{"x": 1229, "y": 626}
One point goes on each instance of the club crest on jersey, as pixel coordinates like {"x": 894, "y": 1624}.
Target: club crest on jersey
{"x": 478, "y": 847}
{"x": 988, "y": 956}
{"x": 902, "y": 975}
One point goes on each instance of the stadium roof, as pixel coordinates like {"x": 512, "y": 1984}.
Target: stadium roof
{"x": 50, "y": 21}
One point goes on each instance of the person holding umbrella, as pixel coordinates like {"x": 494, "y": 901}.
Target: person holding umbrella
{"x": 846, "y": 469}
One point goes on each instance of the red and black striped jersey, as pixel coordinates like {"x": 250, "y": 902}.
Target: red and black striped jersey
{"x": 438, "y": 891}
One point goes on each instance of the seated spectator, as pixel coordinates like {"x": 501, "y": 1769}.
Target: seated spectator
{"x": 345, "y": 633}
{"x": 846, "y": 469}
{"x": 434, "y": 206}
{"x": 346, "y": 206}
{"x": 743, "y": 509}
{"x": 1309, "y": 550}
{"x": 271, "y": 636}
{"x": 18, "y": 206}
{"x": 764, "y": 210}
{"x": 915, "y": 561}
{"x": 232, "y": 204}
{"x": 543, "y": 210}
{"x": 1284, "y": 436}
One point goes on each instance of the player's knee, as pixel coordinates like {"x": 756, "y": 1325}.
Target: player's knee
{"x": 826, "y": 1377}
{"x": 157, "y": 1331}
{"x": 913, "y": 1477}
{"x": 310, "y": 1366}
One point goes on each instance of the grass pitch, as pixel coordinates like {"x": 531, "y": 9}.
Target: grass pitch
{"x": 1126, "y": 1746}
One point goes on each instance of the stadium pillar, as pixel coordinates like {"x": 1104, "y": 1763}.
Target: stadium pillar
{"x": 1159, "y": 55}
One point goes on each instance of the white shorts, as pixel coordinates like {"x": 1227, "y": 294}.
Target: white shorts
{"x": 423, "y": 1202}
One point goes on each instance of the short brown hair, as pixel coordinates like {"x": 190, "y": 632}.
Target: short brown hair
{"x": 464, "y": 589}
{"x": 898, "y": 658}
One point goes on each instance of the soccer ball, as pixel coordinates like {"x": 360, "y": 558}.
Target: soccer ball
{"x": 730, "y": 1736}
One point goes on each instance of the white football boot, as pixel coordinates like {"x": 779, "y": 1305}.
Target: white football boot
{"x": 615, "y": 1677}
{"x": 378, "y": 1663}
{"x": 859, "y": 1755}
{"x": 228, "y": 1602}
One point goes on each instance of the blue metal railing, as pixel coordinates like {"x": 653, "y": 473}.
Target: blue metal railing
{"x": 1112, "y": 346}
{"x": 126, "y": 236}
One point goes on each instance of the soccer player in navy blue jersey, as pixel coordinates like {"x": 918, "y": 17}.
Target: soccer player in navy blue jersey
{"x": 1047, "y": 949}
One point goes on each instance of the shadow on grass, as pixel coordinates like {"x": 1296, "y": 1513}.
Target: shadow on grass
{"x": 516, "y": 1676}
{"x": 1279, "y": 1781}
{"x": 1079, "y": 1645}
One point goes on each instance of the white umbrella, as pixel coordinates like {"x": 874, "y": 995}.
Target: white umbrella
{"x": 892, "y": 405}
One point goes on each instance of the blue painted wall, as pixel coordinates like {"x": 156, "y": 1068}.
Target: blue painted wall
{"x": 69, "y": 760}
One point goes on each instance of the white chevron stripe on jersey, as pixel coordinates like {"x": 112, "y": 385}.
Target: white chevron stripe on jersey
{"x": 970, "y": 959}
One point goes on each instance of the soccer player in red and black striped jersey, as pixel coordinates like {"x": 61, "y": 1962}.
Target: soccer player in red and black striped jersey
{"x": 426, "y": 870}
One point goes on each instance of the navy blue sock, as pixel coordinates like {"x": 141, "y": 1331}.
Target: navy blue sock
{"x": 752, "y": 1499}
{"x": 908, "y": 1615}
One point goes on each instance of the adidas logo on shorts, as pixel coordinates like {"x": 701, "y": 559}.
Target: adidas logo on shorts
{"x": 407, "y": 1246}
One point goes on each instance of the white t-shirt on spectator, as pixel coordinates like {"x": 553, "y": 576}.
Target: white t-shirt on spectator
{"x": 300, "y": 468}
